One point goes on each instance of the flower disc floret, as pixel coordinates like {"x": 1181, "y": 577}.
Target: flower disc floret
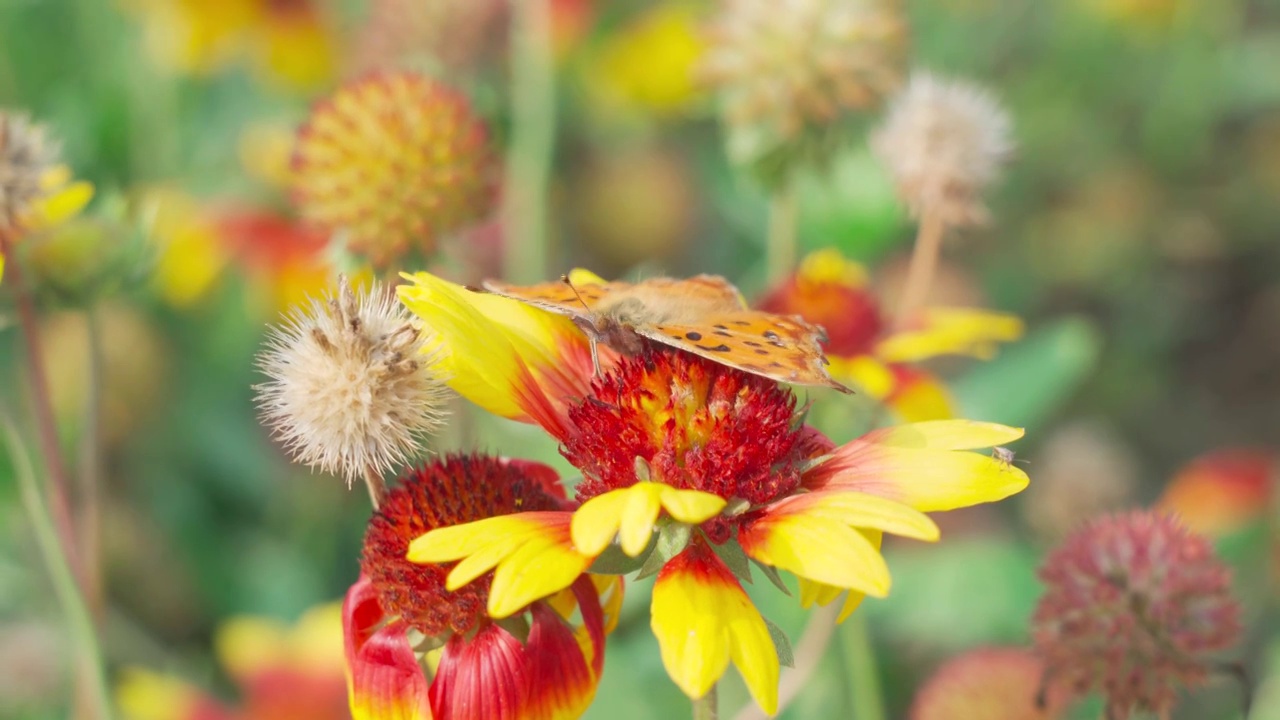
{"x": 690, "y": 424}
{"x": 454, "y": 491}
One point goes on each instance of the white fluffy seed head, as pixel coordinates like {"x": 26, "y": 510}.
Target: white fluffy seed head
{"x": 944, "y": 142}
{"x": 27, "y": 153}
{"x": 353, "y": 385}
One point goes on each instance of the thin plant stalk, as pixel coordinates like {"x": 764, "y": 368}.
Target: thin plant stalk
{"x": 46, "y": 427}
{"x": 864, "y": 692}
{"x": 377, "y": 487}
{"x": 90, "y": 470}
{"x": 809, "y": 651}
{"x": 780, "y": 246}
{"x": 91, "y": 681}
{"x": 707, "y": 707}
{"x": 527, "y": 250}
{"x": 924, "y": 266}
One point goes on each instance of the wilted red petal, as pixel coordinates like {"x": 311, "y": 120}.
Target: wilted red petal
{"x": 481, "y": 678}
{"x": 385, "y": 681}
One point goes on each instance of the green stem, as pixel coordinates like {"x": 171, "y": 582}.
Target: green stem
{"x": 707, "y": 706}
{"x": 89, "y": 658}
{"x": 780, "y": 246}
{"x": 90, "y": 475}
{"x": 861, "y": 668}
{"x": 533, "y": 117}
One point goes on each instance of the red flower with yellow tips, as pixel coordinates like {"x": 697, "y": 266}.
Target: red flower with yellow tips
{"x": 712, "y": 461}
{"x": 536, "y": 662}
{"x": 832, "y": 291}
{"x": 283, "y": 673}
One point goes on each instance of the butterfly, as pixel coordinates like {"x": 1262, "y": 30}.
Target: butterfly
{"x": 704, "y": 315}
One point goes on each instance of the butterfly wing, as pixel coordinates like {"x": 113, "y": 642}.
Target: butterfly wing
{"x": 556, "y": 297}
{"x": 778, "y": 347}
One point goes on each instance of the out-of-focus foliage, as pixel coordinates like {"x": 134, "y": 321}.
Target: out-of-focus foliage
{"x": 1137, "y": 233}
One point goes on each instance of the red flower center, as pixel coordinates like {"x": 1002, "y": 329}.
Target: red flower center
{"x": 850, "y": 315}
{"x": 694, "y": 423}
{"x": 449, "y": 491}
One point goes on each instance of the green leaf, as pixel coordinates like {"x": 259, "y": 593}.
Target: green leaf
{"x": 771, "y": 572}
{"x": 1030, "y": 380}
{"x": 781, "y": 643}
{"x": 615, "y": 562}
{"x": 736, "y": 560}
{"x": 672, "y": 540}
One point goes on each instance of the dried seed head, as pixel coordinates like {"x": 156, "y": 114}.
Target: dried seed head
{"x": 394, "y": 161}
{"x": 789, "y": 70}
{"x": 1134, "y": 606}
{"x": 351, "y": 387}
{"x": 944, "y": 142}
{"x": 27, "y": 154}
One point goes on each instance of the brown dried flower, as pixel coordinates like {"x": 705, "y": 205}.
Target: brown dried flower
{"x": 351, "y": 388}
{"x": 944, "y": 142}
{"x": 27, "y": 154}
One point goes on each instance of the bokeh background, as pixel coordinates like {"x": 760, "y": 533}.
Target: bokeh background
{"x": 1137, "y": 232}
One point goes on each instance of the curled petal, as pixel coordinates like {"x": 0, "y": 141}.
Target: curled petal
{"x": 530, "y": 553}
{"x": 510, "y": 358}
{"x": 703, "y": 620}
{"x": 630, "y": 514}
{"x": 384, "y": 680}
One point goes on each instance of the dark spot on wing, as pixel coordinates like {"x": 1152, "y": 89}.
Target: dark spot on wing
{"x": 741, "y": 323}
{"x": 723, "y": 333}
{"x": 720, "y": 327}
{"x": 762, "y": 351}
{"x": 775, "y": 364}
{"x": 751, "y": 343}
{"x": 770, "y": 335}
{"x": 694, "y": 336}
{"x": 718, "y": 348}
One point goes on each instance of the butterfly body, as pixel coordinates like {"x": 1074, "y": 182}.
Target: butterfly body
{"x": 704, "y": 315}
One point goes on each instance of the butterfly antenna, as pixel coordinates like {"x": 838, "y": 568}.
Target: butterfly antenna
{"x": 591, "y": 339}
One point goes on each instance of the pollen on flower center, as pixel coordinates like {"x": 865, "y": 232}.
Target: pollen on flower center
{"x": 451, "y": 491}
{"x": 694, "y": 423}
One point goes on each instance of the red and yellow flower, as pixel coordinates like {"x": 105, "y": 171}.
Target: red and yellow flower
{"x": 693, "y": 468}
{"x": 831, "y": 291}
{"x": 420, "y": 646}
{"x": 283, "y": 673}
{"x": 289, "y": 42}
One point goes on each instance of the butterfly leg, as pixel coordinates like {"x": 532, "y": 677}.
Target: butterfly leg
{"x": 595, "y": 356}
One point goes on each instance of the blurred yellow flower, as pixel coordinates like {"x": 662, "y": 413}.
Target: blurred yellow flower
{"x": 282, "y": 672}
{"x": 289, "y": 43}
{"x": 648, "y": 66}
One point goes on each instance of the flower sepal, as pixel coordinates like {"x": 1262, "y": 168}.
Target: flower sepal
{"x": 673, "y": 538}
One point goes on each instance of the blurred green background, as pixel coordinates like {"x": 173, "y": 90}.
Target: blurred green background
{"x": 1137, "y": 232}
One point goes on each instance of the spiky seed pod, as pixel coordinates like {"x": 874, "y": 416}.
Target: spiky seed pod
{"x": 1134, "y": 607}
{"x": 788, "y": 70}
{"x": 394, "y": 161}
{"x": 27, "y": 154}
{"x": 351, "y": 389}
{"x": 944, "y": 142}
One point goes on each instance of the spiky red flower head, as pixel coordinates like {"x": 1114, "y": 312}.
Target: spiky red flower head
{"x": 1134, "y": 605}
{"x": 445, "y": 492}
{"x": 849, "y": 313}
{"x": 693, "y": 423}
{"x": 395, "y": 161}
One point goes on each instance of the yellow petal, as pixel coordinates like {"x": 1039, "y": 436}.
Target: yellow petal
{"x": 541, "y": 567}
{"x": 861, "y": 510}
{"x": 644, "y": 503}
{"x": 702, "y": 620}
{"x": 821, "y": 549}
{"x": 830, "y": 266}
{"x": 144, "y": 695}
{"x": 952, "y": 331}
{"x": 691, "y": 506}
{"x": 596, "y": 523}
{"x": 633, "y": 511}
{"x": 947, "y": 435}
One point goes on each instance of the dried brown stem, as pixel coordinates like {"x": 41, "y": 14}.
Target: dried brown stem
{"x": 376, "y": 486}
{"x": 924, "y": 266}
